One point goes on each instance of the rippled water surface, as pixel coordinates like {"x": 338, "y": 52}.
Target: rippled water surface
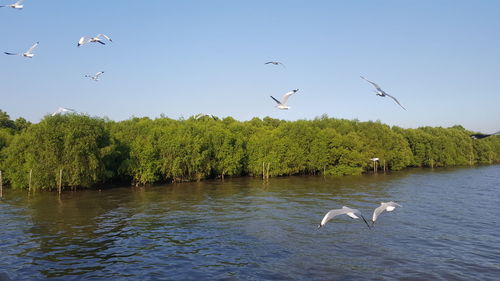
{"x": 242, "y": 229}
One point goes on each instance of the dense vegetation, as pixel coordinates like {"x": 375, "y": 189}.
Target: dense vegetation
{"x": 93, "y": 151}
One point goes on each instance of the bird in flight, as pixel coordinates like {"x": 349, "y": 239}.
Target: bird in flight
{"x": 62, "y": 110}
{"x": 381, "y": 92}
{"x": 18, "y": 5}
{"x": 384, "y": 206}
{"x": 482, "y": 136}
{"x": 85, "y": 39}
{"x": 353, "y": 213}
{"x": 282, "y": 104}
{"x": 27, "y": 54}
{"x": 95, "y": 77}
{"x": 275, "y": 63}
{"x": 203, "y": 115}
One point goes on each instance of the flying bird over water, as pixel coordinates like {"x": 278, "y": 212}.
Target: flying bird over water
{"x": 95, "y": 77}
{"x": 62, "y": 110}
{"x": 27, "y": 54}
{"x": 380, "y": 92}
{"x": 275, "y": 63}
{"x": 353, "y": 213}
{"x": 482, "y": 136}
{"x": 282, "y": 104}
{"x": 384, "y": 206}
{"x": 18, "y": 5}
{"x": 85, "y": 39}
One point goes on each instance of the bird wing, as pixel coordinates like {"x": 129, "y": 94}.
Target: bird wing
{"x": 99, "y": 73}
{"x": 32, "y": 48}
{"x": 19, "y": 2}
{"x": 394, "y": 100}
{"x": 351, "y": 212}
{"x": 393, "y": 204}
{"x": 275, "y": 100}
{"x": 59, "y": 110}
{"x": 11, "y": 54}
{"x": 331, "y": 214}
{"x": 268, "y": 62}
{"x": 373, "y": 83}
{"x": 286, "y": 96}
{"x": 378, "y": 211}
{"x": 83, "y": 40}
{"x": 105, "y": 36}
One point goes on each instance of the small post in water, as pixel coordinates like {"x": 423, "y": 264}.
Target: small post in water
{"x": 1, "y": 186}
{"x": 29, "y": 181}
{"x": 60, "y": 181}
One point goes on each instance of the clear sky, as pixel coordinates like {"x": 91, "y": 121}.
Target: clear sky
{"x": 440, "y": 58}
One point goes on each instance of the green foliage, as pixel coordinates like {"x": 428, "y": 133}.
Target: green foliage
{"x": 74, "y": 143}
{"x": 142, "y": 151}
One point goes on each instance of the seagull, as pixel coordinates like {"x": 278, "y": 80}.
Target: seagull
{"x": 482, "y": 136}
{"x": 18, "y": 5}
{"x": 345, "y": 210}
{"x": 384, "y": 206}
{"x": 381, "y": 92}
{"x": 61, "y": 110}
{"x": 275, "y": 63}
{"x": 282, "y": 104}
{"x": 27, "y": 54}
{"x": 85, "y": 39}
{"x": 202, "y": 115}
{"x": 95, "y": 77}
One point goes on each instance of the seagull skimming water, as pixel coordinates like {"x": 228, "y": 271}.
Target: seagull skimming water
{"x": 380, "y": 92}
{"x": 353, "y": 213}
{"x": 384, "y": 206}
{"x": 282, "y": 104}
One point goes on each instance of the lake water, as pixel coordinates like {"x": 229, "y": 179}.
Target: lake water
{"x": 242, "y": 229}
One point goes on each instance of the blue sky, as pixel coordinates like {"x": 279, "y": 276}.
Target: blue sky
{"x": 440, "y": 58}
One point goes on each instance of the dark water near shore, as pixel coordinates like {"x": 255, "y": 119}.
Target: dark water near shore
{"x": 242, "y": 229}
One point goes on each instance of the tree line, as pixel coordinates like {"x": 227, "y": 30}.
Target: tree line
{"x": 93, "y": 151}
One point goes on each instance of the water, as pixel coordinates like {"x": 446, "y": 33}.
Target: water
{"x": 242, "y": 229}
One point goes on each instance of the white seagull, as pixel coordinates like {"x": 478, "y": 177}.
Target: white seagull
{"x": 62, "y": 110}
{"x": 27, "y": 54}
{"x": 384, "y": 206}
{"x": 275, "y": 63}
{"x": 380, "y": 92}
{"x": 18, "y": 5}
{"x": 282, "y": 104}
{"x": 85, "y": 39}
{"x": 95, "y": 77}
{"x": 202, "y": 115}
{"x": 353, "y": 213}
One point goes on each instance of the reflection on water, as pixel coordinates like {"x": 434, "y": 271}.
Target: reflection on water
{"x": 245, "y": 229}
